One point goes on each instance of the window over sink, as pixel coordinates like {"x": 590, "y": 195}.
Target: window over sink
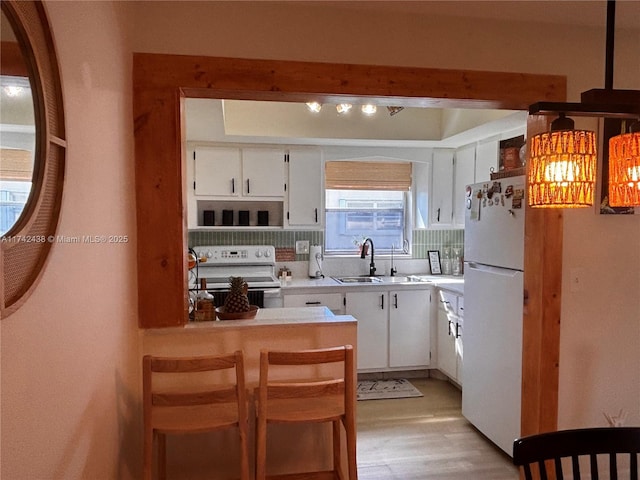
{"x": 367, "y": 199}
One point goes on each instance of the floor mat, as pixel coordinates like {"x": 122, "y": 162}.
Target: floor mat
{"x": 381, "y": 389}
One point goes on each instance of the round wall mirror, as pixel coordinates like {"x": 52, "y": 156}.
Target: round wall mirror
{"x": 32, "y": 149}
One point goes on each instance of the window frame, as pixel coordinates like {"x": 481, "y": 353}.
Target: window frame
{"x": 404, "y": 250}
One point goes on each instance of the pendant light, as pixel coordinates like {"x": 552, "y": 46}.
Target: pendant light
{"x": 562, "y": 166}
{"x": 624, "y": 168}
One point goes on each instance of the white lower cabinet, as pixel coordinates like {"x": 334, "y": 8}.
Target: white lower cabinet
{"x": 449, "y": 341}
{"x": 409, "y": 328}
{"x": 393, "y": 328}
{"x": 333, "y": 301}
{"x": 371, "y": 311}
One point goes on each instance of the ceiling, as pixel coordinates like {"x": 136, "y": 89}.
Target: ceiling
{"x": 291, "y": 123}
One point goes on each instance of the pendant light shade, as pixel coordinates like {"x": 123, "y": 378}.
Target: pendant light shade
{"x": 562, "y": 167}
{"x": 624, "y": 168}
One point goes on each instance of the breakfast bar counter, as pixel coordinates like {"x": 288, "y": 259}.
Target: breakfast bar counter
{"x": 274, "y": 329}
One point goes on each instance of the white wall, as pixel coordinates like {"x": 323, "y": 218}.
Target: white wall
{"x": 69, "y": 354}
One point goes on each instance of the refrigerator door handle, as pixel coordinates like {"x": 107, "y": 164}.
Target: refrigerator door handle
{"x": 507, "y": 272}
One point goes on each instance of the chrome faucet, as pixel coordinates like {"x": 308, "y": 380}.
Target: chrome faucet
{"x": 372, "y": 265}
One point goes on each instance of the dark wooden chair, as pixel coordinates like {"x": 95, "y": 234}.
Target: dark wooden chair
{"x": 546, "y": 450}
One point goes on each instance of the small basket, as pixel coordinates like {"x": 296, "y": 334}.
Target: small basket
{"x": 249, "y": 314}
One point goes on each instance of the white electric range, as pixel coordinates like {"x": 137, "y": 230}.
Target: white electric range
{"x": 255, "y": 263}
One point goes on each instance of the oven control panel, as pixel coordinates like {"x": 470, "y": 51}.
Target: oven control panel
{"x": 236, "y": 255}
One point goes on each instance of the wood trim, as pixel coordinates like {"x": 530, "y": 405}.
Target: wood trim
{"x": 219, "y": 77}
{"x": 543, "y": 294}
{"x": 160, "y": 80}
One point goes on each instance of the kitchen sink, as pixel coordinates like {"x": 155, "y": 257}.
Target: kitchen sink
{"x": 358, "y": 279}
{"x": 381, "y": 279}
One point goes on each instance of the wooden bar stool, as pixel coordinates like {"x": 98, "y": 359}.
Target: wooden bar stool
{"x": 316, "y": 400}
{"x": 194, "y": 408}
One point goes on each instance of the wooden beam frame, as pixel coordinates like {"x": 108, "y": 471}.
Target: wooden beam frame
{"x": 161, "y": 82}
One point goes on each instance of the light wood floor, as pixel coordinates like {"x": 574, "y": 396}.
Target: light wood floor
{"x": 425, "y": 438}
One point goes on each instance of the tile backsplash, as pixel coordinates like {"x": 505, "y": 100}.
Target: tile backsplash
{"x": 423, "y": 240}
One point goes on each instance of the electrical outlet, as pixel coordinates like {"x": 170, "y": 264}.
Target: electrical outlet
{"x": 302, "y": 247}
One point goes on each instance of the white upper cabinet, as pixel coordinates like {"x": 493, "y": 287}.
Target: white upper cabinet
{"x": 464, "y": 167}
{"x": 217, "y": 171}
{"x": 239, "y": 172}
{"x": 441, "y": 197}
{"x": 304, "y": 205}
{"x": 263, "y": 172}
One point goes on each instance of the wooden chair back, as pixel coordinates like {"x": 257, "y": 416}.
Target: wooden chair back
{"x": 316, "y": 399}
{"x": 312, "y": 388}
{"x": 606, "y": 449}
{"x": 193, "y": 405}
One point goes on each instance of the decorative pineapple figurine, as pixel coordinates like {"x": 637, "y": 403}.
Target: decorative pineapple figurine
{"x": 237, "y": 300}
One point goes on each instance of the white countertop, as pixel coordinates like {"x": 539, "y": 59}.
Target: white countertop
{"x": 304, "y": 285}
{"x": 278, "y": 316}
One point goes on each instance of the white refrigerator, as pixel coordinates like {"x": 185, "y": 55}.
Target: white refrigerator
{"x": 493, "y": 297}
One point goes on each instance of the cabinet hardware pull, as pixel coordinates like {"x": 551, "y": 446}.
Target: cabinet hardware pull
{"x": 438, "y": 218}
{"x": 233, "y": 185}
{"x": 248, "y": 189}
{"x": 312, "y": 303}
{"x": 457, "y": 330}
{"x": 449, "y": 329}
{"x": 395, "y": 300}
{"x": 316, "y": 215}
{"x": 382, "y": 300}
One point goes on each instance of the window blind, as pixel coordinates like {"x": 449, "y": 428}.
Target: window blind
{"x": 351, "y": 175}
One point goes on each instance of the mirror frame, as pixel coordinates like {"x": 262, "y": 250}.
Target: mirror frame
{"x": 24, "y": 249}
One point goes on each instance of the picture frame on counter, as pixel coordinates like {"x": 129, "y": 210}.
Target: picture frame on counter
{"x": 434, "y": 262}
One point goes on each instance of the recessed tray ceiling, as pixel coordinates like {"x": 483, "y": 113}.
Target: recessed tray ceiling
{"x": 246, "y": 121}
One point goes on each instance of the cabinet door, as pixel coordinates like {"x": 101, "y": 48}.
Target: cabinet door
{"x": 333, "y": 301}
{"x": 441, "y": 197}
{"x": 487, "y": 157}
{"x": 409, "y": 328}
{"x": 447, "y": 362}
{"x": 370, "y": 309}
{"x": 262, "y": 172}
{"x": 217, "y": 171}
{"x": 464, "y": 168}
{"x": 305, "y": 187}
